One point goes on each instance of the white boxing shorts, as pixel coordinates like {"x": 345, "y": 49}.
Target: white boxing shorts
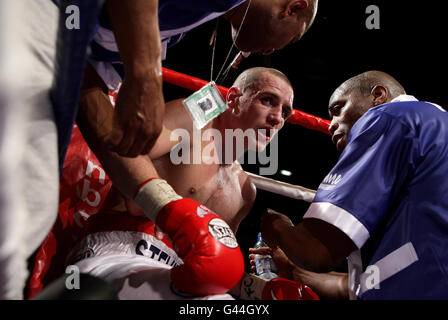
{"x": 122, "y": 250}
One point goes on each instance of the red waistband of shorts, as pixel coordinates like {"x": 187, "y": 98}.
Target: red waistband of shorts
{"x": 110, "y": 220}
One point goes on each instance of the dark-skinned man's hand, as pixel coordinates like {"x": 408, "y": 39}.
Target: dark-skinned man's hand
{"x": 272, "y": 223}
{"x": 138, "y": 117}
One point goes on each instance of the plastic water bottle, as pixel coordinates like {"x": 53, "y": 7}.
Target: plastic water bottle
{"x": 264, "y": 265}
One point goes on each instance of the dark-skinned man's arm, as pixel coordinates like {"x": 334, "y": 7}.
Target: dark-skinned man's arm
{"x": 313, "y": 244}
{"x": 95, "y": 118}
{"x": 140, "y": 104}
{"x": 328, "y": 286}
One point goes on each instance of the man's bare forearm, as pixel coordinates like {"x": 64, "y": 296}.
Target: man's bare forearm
{"x": 95, "y": 122}
{"x": 136, "y": 29}
{"x": 313, "y": 244}
{"x": 328, "y": 286}
{"x": 305, "y": 250}
{"x": 300, "y": 246}
{"x": 139, "y": 107}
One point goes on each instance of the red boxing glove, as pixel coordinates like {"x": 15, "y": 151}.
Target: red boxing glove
{"x": 284, "y": 289}
{"x": 212, "y": 260}
{"x": 255, "y": 288}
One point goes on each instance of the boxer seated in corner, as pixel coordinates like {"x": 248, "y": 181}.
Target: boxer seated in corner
{"x": 123, "y": 245}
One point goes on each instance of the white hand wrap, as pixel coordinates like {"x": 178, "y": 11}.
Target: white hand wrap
{"x": 252, "y": 287}
{"x": 155, "y": 195}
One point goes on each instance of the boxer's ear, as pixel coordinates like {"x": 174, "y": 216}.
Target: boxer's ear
{"x": 233, "y": 98}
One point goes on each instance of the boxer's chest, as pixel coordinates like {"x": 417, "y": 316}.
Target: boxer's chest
{"x": 215, "y": 186}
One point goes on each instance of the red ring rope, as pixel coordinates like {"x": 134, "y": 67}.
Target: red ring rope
{"x": 298, "y": 117}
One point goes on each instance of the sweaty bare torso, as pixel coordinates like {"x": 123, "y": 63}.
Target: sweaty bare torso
{"x": 226, "y": 190}
{"x": 223, "y": 189}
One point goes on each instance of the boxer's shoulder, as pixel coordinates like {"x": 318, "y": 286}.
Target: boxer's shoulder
{"x": 249, "y": 191}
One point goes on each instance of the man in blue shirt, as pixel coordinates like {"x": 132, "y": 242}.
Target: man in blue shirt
{"x": 384, "y": 203}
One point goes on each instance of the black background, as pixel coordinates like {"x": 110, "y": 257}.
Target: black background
{"x": 410, "y": 45}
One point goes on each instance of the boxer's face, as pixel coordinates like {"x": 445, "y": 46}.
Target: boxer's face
{"x": 345, "y": 108}
{"x": 265, "y": 106}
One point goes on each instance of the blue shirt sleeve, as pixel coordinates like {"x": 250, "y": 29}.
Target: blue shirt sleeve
{"x": 372, "y": 168}
{"x": 172, "y": 14}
